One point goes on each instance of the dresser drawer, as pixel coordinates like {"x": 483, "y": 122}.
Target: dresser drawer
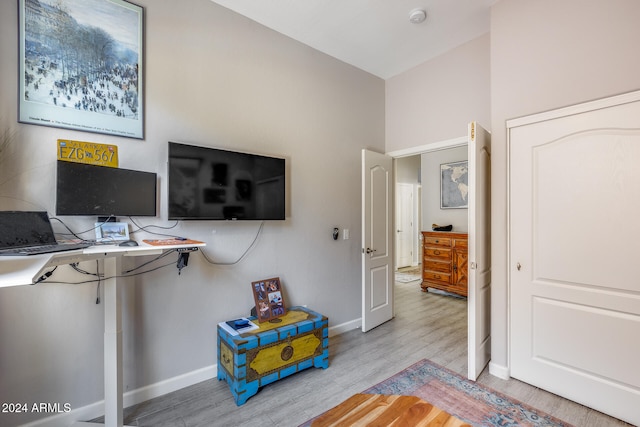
{"x": 461, "y": 244}
{"x": 443, "y": 267}
{"x": 437, "y": 241}
{"x": 434, "y": 276}
{"x": 437, "y": 253}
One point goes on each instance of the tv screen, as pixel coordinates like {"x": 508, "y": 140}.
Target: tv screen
{"x": 103, "y": 191}
{"x": 215, "y": 184}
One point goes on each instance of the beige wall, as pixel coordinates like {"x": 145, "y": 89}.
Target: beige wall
{"x": 548, "y": 54}
{"x": 212, "y": 78}
{"x": 436, "y": 100}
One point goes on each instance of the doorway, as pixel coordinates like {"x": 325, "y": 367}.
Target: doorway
{"x": 474, "y": 220}
{"x": 377, "y": 208}
{"x": 417, "y": 199}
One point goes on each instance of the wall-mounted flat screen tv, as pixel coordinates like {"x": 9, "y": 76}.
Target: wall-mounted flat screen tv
{"x": 214, "y": 184}
{"x": 83, "y": 189}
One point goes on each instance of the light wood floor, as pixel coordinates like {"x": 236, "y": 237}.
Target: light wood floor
{"x": 425, "y": 326}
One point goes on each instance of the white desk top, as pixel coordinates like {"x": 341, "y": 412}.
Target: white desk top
{"x": 25, "y": 270}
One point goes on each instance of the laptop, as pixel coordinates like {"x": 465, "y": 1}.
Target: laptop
{"x": 30, "y": 233}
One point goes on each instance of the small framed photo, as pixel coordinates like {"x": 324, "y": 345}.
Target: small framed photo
{"x": 454, "y": 185}
{"x": 112, "y": 232}
{"x": 269, "y": 299}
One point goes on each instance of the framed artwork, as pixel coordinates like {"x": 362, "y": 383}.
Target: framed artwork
{"x": 81, "y": 65}
{"x": 454, "y": 185}
{"x": 269, "y": 299}
{"x": 112, "y": 231}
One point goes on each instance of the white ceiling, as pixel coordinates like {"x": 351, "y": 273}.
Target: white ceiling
{"x": 373, "y": 35}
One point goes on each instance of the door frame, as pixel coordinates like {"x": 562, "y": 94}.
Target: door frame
{"x": 462, "y": 141}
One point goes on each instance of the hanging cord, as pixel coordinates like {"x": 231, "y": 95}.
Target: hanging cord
{"x": 77, "y": 235}
{"x": 99, "y": 282}
{"x": 100, "y": 277}
{"x": 45, "y": 276}
{"x": 147, "y": 227}
{"x": 253, "y": 243}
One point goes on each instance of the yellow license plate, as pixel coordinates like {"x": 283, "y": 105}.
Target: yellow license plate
{"x": 90, "y": 153}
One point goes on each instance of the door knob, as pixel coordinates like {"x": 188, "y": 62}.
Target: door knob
{"x": 369, "y": 250}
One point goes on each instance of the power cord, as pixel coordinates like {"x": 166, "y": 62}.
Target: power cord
{"x": 77, "y": 235}
{"x": 146, "y": 227}
{"x": 244, "y": 254}
{"x": 45, "y": 276}
{"x": 99, "y": 282}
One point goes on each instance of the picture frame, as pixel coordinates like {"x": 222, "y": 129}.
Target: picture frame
{"x": 81, "y": 65}
{"x": 111, "y": 232}
{"x": 454, "y": 185}
{"x": 269, "y": 299}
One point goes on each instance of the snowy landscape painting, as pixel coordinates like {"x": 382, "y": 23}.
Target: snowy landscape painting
{"x": 81, "y": 65}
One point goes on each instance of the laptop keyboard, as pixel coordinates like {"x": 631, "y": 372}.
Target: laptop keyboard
{"x": 44, "y": 249}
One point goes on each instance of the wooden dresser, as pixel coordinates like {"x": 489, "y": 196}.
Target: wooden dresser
{"x": 444, "y": 261}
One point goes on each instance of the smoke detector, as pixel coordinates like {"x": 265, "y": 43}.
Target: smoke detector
{"x": 417, "y": 16}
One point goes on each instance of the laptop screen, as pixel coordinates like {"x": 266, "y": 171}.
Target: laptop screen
{"x": 23, "y": 229}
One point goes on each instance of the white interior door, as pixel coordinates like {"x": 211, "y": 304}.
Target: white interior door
{"x": 573, "y": 236}
{"x": 479, "y": 285}
{"x": 377, "y": 235}
{"x": 404, "y": 225}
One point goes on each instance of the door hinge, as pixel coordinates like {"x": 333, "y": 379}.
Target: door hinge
{"x": 473, "y": 266}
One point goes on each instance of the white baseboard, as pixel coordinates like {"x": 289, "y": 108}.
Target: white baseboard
{"x": 151, "y": 391}
{"x": 345, "y": 327}
{"x": 499, "y": 371}
{"x": 129, "y": 398}
{"x": 167, "y": 386}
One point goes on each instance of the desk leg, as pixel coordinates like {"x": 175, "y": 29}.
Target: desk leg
{"x": 113, "y": 407}
{"x": 113, "y": 416}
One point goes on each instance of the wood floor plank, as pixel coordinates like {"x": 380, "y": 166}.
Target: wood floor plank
{"x": 375, "y": 410}
{"x": 426, "y": 325}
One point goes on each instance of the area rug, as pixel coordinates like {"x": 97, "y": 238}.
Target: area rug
{"x": 466, "y": 400}
{"x": 407, "y": 277}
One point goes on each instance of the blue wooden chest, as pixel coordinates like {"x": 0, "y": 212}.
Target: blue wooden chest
{"x": 295, "y": 341}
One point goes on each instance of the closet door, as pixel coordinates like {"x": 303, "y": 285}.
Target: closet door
{"x": 574, "y": 237}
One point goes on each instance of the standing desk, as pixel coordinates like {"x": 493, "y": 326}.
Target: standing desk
{"x": 26, "y": 270}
